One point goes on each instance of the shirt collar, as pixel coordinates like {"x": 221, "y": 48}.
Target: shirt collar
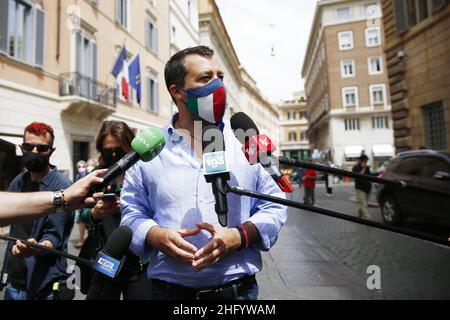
{"x": 175, "y": 136}
{"x": 48, "y": 179}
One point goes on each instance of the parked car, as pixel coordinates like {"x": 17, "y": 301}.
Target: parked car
{"x": 380, "y": 174}
{"x": 425, "y": 168}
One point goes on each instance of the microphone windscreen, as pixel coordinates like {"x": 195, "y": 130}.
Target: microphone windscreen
{"x": 243, "y": 127}
{"x": 119, "y": 242}
{"x": 149, "y": 143}
{"x": 212, "y": 139}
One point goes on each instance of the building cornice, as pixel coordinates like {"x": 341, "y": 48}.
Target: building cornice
{"x": 29, "y": 91}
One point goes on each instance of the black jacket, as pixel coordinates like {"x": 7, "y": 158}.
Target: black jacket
{"x": 56, "y": 228}
{"x": 360, "y": 184}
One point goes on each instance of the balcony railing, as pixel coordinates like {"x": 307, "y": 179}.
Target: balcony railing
{"x": 75, "y": 84}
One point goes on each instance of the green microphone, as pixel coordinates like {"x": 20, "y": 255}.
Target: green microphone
{"x": 146, "y": 146}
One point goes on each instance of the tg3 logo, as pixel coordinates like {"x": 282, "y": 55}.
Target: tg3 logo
{"x": 214, "y": 162}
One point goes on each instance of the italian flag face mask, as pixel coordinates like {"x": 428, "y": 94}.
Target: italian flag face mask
{"x": 208, "y": 102}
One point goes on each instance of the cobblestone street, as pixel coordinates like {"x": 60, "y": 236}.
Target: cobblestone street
{"x": 318, "y": 257}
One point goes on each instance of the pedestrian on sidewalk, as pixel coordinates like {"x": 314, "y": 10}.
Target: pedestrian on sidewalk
{"x": 298, "y": 178}
{"x": 328, "y": 182}
{"x": 363, "y": 187}
{"x": 309, "y": 182}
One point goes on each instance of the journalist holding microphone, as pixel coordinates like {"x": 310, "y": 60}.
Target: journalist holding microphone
{"x": 18, "y": 207}
{"x": 28, "y": 274}
{"x": 113, "y": 143}
{"x": 171, "y": 208}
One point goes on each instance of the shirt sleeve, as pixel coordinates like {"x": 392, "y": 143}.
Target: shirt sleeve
{"x": 53, "y": 230}
{"x": 136, "y": 211}
{"x": 268, "y": 217}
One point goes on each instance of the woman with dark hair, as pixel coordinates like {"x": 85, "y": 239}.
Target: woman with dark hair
{"x": 113, "y": 142}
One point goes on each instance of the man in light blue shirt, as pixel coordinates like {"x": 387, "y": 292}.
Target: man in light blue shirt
{"x": 170, "y": 207}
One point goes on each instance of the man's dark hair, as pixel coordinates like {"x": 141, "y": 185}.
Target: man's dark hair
{"x": 175, "y": 70}
{"x": 363, "y": 158}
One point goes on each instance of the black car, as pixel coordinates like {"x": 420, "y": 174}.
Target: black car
{"x": 425, "y": 168}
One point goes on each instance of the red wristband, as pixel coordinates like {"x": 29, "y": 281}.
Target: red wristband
{"x": 245, "y": 230}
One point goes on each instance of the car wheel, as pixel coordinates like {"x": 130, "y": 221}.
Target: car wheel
{"x": 390, "y": 211}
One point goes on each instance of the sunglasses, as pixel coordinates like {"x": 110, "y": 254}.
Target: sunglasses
{"x": 28, "y": 147}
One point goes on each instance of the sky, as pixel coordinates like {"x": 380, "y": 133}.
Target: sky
{"x": 255, "y": 26}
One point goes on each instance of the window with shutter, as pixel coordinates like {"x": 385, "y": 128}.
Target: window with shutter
{"x": 345, "y": 40}
{"x": 122, "y": 12}
{"x": 94, "y": 70}
{"x": 148, "y": 104}
{"x": 347, "y": 68}
{"x": 152, "y": 94}
{"x": 4, "y": 10}
{"x": 400, "y": 16}
{"x": 375, "y": 65}
{"x": 40, "y": 37}
{"x": 22, "y": 31}
{"x": 438, "y": 5}
{"x": 151, "y": 40}
{"x": 155, "y": 47}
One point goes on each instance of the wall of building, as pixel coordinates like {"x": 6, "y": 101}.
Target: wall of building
{"x": 420, "y": 78}
{"x": 360, "y": 55}
{"x": 184, "y": 28}
{"x": 300, "y": 147}
{"x": 29, "y": 93}
{"x": 322, "y": 71}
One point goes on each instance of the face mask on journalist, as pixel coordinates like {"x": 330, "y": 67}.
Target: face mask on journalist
{"x": 208, "y": 102}
{"x": 35, "y": 162}
{"x": 112, "y": 155}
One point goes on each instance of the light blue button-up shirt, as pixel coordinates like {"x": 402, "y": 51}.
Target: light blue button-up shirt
{"x": 171, "y": 192}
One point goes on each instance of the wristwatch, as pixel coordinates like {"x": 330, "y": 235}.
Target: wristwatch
{"x": 59, "y": 202}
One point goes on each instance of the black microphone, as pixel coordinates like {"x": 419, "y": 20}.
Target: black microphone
{"x": 258, "y": 148}
{"x": 108, "y": 264}
{"x": 216, "y": 169}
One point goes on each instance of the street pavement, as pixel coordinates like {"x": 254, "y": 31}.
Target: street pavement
{"x": 318, "y": 257}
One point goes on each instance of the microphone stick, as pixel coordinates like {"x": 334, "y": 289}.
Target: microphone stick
{"x": 48, "y": 250}
{"x": 244, "y": 192}
{"x": 398, "y": 184}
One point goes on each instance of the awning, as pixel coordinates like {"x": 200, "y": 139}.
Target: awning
{"x": 383, "y": 150}
{"x": 353, "y": 151}
{"x": 16, "y": 141}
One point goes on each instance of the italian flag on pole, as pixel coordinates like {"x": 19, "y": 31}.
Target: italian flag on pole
{"x": 210, "y": 108}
